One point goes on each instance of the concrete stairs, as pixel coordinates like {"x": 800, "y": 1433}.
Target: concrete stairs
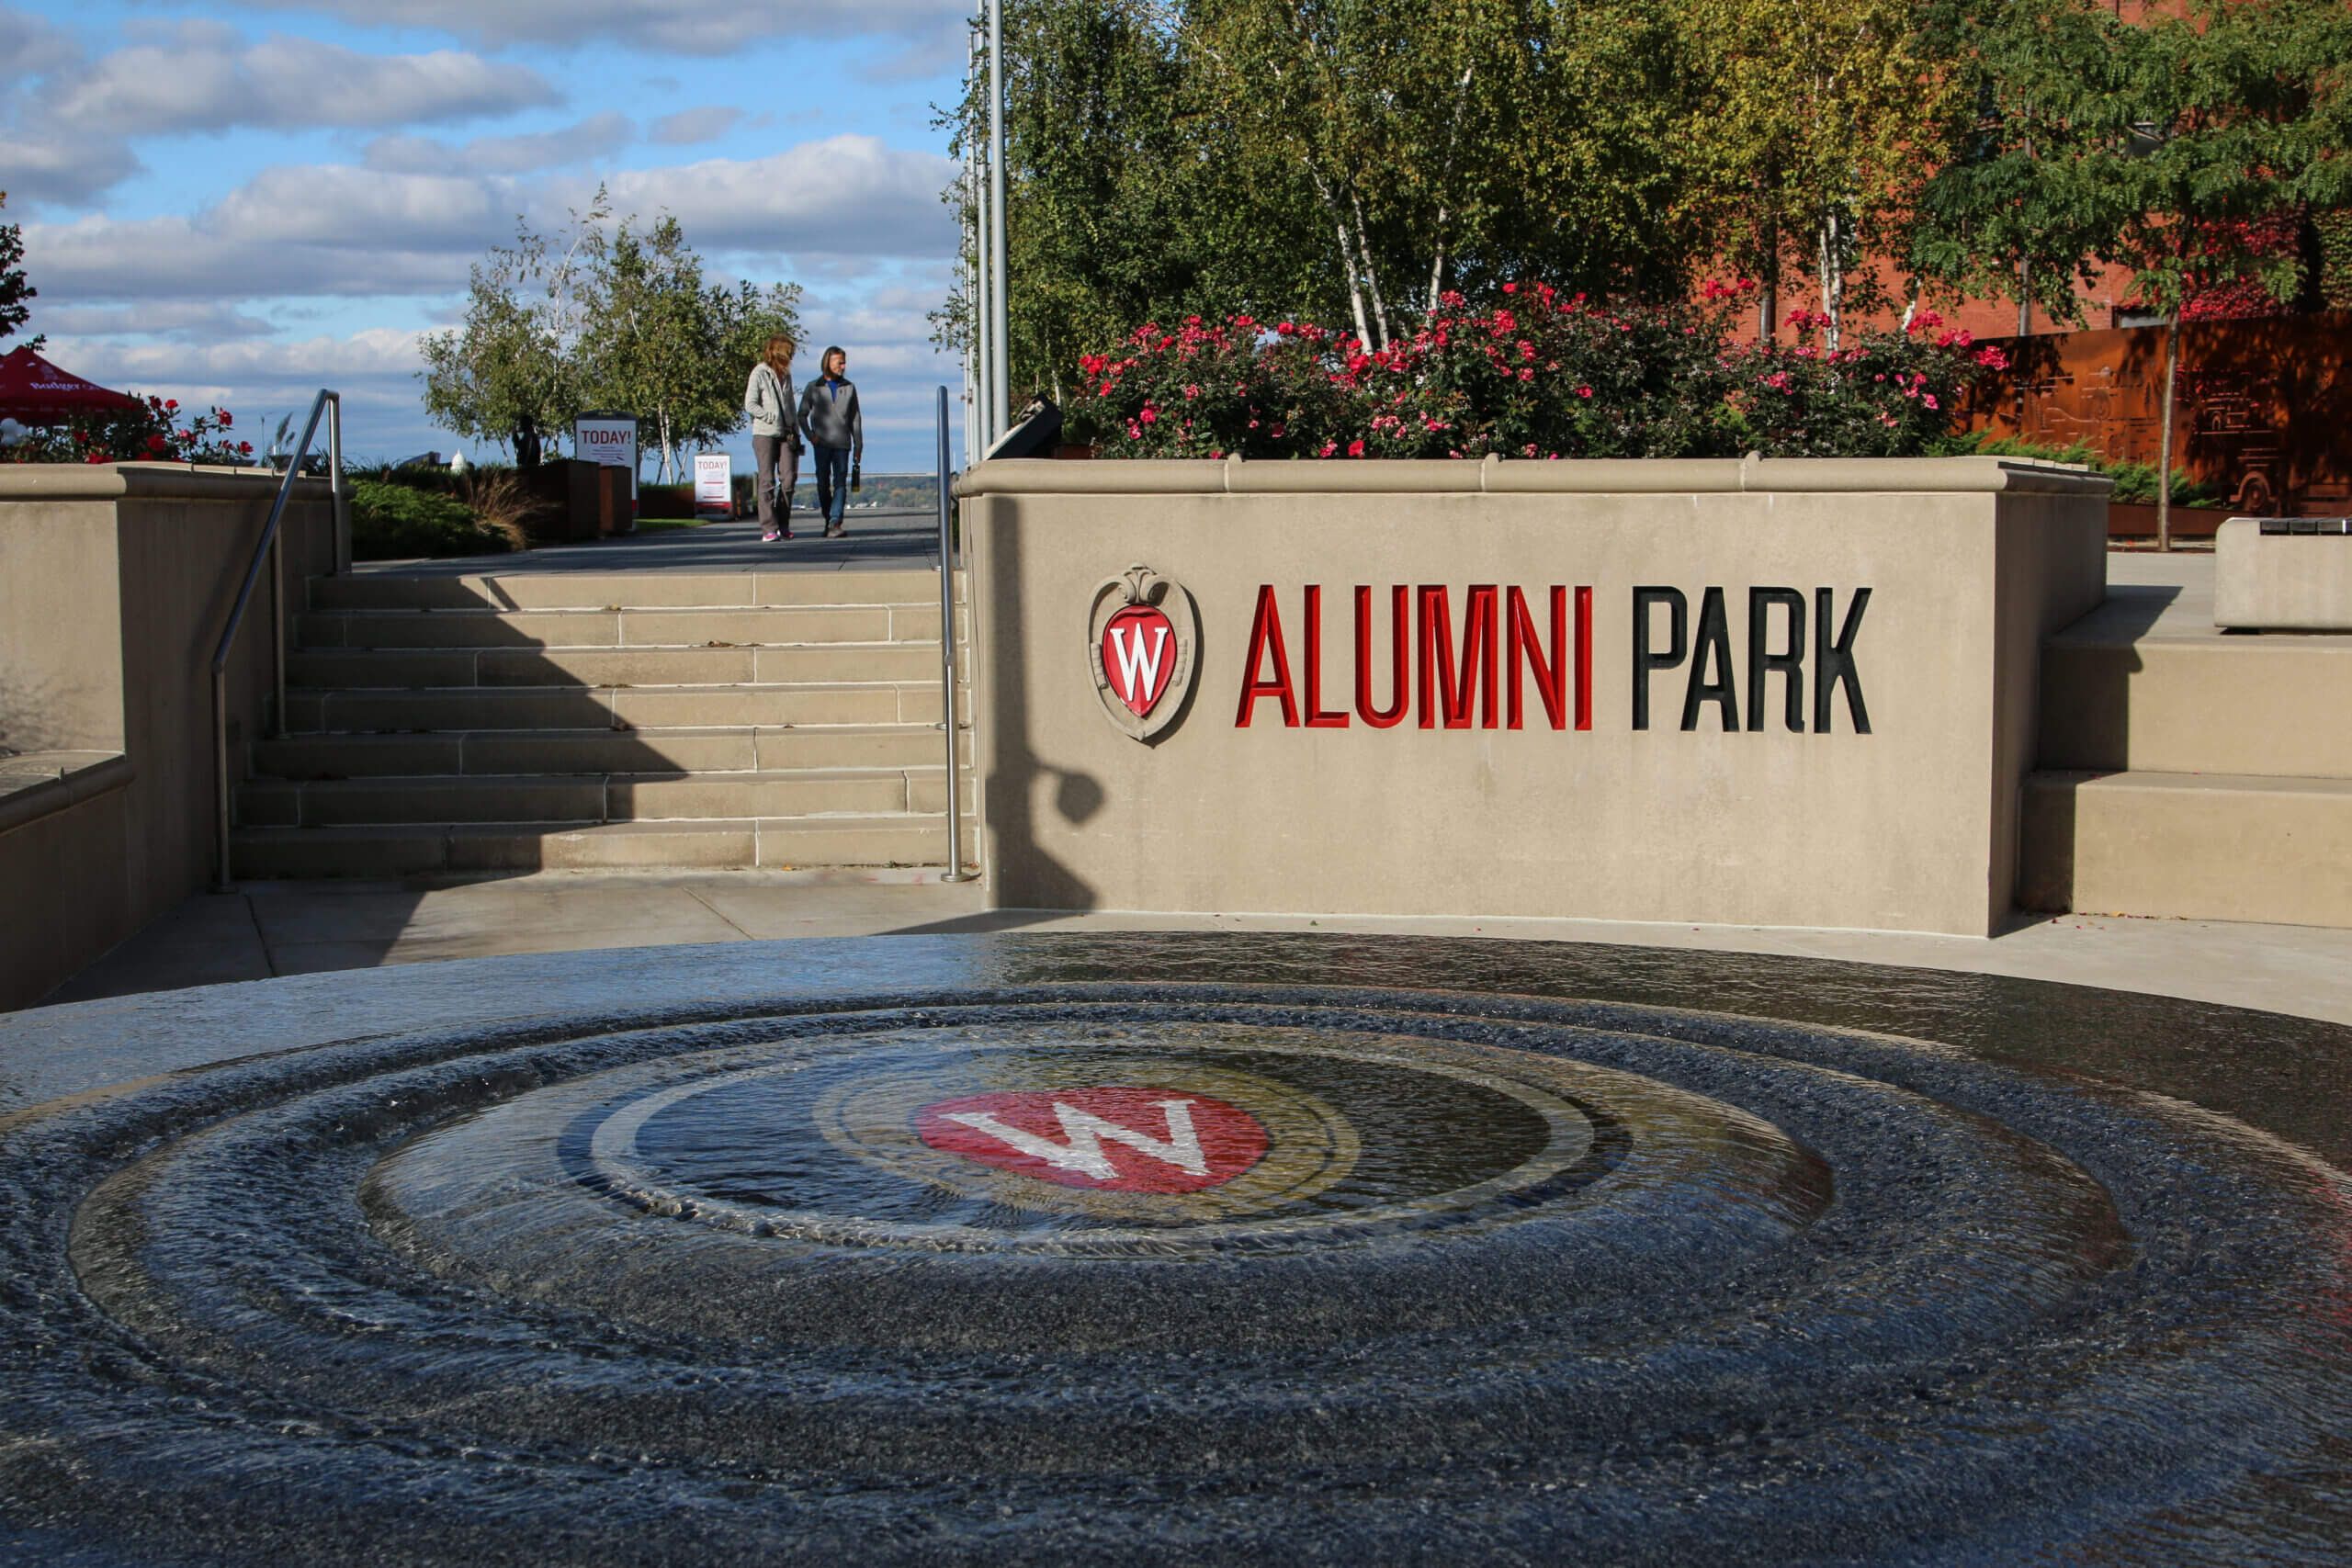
{"x": 454, "y": 724}
{"x": 2191, "y": 774}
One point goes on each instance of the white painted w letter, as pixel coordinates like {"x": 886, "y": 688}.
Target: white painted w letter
{"x": 1087, "y": 1133}
{"x": 1137, "y": 662}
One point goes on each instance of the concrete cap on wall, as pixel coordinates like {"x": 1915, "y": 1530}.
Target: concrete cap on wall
{"x": 168, "y": 481}
{"x": 1492, "y": 475}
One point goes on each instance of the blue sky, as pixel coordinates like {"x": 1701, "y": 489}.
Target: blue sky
{"x": 242, "y": 203}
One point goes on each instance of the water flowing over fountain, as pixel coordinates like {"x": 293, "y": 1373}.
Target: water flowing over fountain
{"x": 1047, "y": 1248}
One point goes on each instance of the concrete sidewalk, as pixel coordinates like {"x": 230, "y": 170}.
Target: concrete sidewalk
{"x": 271, "y": 929}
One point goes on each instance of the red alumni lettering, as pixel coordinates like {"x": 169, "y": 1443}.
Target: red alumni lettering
{"x": 1476, "y": 680}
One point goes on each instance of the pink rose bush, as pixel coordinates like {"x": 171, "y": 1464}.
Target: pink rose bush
{"x": 1537, "y": 374}
{"x": 155, "y": 431}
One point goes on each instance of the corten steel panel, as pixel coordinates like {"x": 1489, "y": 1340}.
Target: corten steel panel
{"x": 2263, "y": 407}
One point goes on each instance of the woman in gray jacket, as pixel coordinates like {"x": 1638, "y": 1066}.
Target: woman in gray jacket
{"x": 776, "y": 435}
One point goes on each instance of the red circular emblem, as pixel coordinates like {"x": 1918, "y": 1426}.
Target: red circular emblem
{"x": 1140, "y": 656}
{"x": 1116, "y": 1140}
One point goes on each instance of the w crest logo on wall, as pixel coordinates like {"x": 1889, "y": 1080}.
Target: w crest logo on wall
{"x": 1143, "y": 645}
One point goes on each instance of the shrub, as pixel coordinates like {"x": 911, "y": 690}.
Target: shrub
{"x": 1535, "y": 375}
{"x": 2135, "y": 483}
{"x": 399, "y": 522}
{"x": 153, "y": 430}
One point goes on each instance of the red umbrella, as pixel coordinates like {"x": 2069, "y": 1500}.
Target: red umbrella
{"x": 34, "y": 392}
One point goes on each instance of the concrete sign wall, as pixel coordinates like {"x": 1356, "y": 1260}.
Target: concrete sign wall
{"x": 1760, "y": 693}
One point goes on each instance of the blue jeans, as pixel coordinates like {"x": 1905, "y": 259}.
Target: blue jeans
{"x": 833, "y": 482}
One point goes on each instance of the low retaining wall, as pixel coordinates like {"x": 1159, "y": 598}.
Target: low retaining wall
{"x": 115, "y": 581}
{"x": 1772, "y": 693}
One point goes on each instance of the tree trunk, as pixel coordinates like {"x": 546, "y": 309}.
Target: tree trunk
{"x": 1833, "y": 277}
{"x": 2163, "y": 433}
{"x": 1370, "y": 275}
{"x": 1437, "y": 266}
{"x": 2025, "y": 296}
{"x": 1346, "y": 257}
{"x": 1767, "y": 304}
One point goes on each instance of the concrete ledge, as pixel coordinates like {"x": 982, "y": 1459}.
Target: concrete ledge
{"x": 2298, "y": 582}
{"x": 39, "y": 782}
{"x": 1233, "y": 476}
{"x": 115, "y": 481}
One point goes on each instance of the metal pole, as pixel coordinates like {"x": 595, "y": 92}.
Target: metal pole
{"x": 278, "y": 633}
{"x": 948, "y": 651}
{"x": 221, "y": 882}
{"x": 1001, "y": 406}
{"x": 975, "y": 369}
{"x": 334, "y": 486}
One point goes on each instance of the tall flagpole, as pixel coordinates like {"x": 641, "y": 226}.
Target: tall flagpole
{"x": 1000, "y": 405}
{"x": 973, "y": 358}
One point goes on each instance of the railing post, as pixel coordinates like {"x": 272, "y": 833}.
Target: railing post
{"x": 278, "y": 638}
{"x": 342, "y": 503}
{"x": 947, "y": 649}
{"x": 221, "y": 880}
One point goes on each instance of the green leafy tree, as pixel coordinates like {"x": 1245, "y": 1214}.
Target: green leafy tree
{"x": 14, "y": 290}
{"x": 1820, "y": 123}
{"x": 659, "y": 341}
{"x": 2246, "y": 127}
{"x": 2039, "y": 188}
{"x": 620, "y": 318}
{"x": 508, "y": 375}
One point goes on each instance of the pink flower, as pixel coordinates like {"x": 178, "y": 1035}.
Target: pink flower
{"x": 1930, "y": 401}
{"x": 1328, "y": 447}
{"x": 1584, "y": 391}
{"x": 1510, "y": 287}
{"x": 1526, "y": 375}
{"x": 1355, "y": 448}
{"x": 1147, "y": 416}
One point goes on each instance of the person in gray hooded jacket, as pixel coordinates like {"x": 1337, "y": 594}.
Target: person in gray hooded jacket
{"x": 776, "y": 435}
{"x": 831, "y": 420}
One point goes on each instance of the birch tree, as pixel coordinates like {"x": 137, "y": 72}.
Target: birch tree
{"x": 1822, "y": 119}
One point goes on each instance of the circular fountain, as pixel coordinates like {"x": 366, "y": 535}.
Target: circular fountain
{"x": 1052, "y": 1250}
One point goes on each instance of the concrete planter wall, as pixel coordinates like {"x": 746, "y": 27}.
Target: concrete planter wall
{"x": 1711, "y": 808}
{"x": 115, "y": 581}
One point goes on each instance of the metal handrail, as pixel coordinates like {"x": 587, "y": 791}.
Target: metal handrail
{"x": 947, "y": 648}
{"x": 268, "y": 546}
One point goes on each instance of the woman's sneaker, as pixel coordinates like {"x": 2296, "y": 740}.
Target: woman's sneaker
{"x": 771, "y": 536}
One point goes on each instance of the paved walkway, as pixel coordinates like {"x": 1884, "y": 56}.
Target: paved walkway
{"x": 893, "y": 539}
{"x": 271, "y": 929}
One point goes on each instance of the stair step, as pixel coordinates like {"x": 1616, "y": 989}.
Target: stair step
{"x": 407, "y": 670}
{"x": 2194, "y": 846}
{"x": 495, "y": 752}
{"x": 2264, "y": 706}
{"x": 591, "y": 797}
{"x": 603, "y": 590}
{"x": 778, "y": 627}
{"x": 435, "y": 709}
{"x": 774, "y": 842}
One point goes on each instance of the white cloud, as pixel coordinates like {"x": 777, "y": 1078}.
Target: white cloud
{"x": 200, "y": 76}
{"x": 598, "y": 136}
{"x": 340, "y": 229}
{"x": 31, "y": 47}
{"x": 670, "y": 27}
{"x": 65, "y": 170}
{"x": 848, "y": 195}
{"x": 688, "y": 127}
{"x": 188, "y": 320}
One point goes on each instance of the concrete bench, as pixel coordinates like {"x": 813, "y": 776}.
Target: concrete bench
{"x": 2283, "y": 574}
